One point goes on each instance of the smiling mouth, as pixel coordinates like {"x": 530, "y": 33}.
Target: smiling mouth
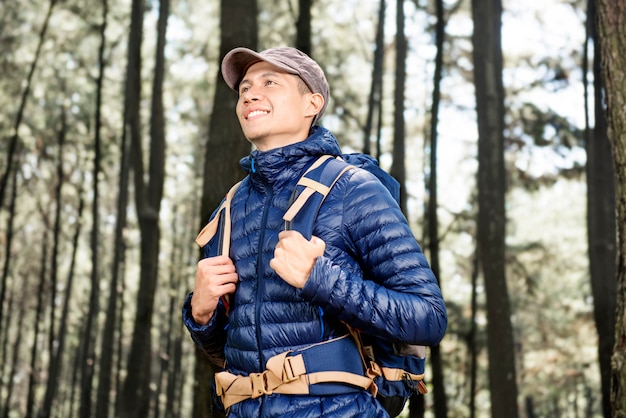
{"x": 256, "y": 113}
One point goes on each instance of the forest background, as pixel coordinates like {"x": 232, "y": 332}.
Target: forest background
{"x": 119, "y": 138}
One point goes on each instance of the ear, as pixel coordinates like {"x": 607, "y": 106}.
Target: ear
{"x": 314, "y": 105}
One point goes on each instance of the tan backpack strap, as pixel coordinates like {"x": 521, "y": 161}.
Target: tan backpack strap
{"x": 359, "y": 343}
{"x": 226, "y": 232}
{"x": 210, "y": 229}
{"x": 319, "y": 162}
{"x": 310, "y": 187}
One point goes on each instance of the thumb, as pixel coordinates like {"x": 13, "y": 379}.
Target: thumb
{"x": 319, "y": 243}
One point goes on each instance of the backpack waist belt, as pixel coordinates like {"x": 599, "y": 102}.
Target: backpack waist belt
{"x": 331, "y": 367}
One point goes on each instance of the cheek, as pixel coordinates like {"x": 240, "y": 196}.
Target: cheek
{"x": 239, "y": 111}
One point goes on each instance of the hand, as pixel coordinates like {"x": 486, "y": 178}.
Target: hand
{"x": 215, "y": 277}
{"x": 294, "y": 257}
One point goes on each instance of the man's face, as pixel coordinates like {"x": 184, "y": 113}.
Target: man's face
{"x": 272, "y": 110}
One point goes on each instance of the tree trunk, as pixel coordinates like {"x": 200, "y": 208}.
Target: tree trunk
{"x": 32, "y": 375}
{"x": 398, "y": 166}
{"x": 487, "y": 53}
{"x": 94, "y": 243}
{"x": 20, "y": 113}
{"x": 119, "y": 363}
{"x": 221, "y": 169}
{"x": 374, "y": 101}
{"x": 303, "y": 27}
{"x": 612, "y": 31}
{"x": 78, "y": 358}
{"x": 56, "y": 232}
{"x": 52, "y": 367}
{"x": 14, "y": 144}
{"x": 473, "y": 333}
{"x": 180, "y": 253}
{"x": 86, "y": 410}
{"x": 14, "y": 363}
{"x": 440, "y": 400}
{"x": 115, "y": 306}
{"x": 169, "y": 334}
{"x": 107, "y": 344}
{"x": 133, "y": 398}
{"x": 6, "y": 270}
{"x": 601, "y": 222}
{"x": 136, "y": 393}
{"x": 57, "y": 356}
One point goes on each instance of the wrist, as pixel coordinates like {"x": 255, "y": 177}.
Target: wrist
{"x": 201, "y": 319}
{"x": 200, "y": 316}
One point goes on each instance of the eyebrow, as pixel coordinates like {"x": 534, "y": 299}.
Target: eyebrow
{"x": 264, "y": 75}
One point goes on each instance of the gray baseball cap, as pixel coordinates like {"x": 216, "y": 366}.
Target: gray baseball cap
{"x": 290, "y": 60}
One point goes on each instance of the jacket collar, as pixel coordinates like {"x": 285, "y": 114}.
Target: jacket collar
{"x": 281, "y": 164}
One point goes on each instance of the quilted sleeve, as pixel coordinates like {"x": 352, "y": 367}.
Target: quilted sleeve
{"x": 210, "y": 338}
{"x": 397, "y": 296}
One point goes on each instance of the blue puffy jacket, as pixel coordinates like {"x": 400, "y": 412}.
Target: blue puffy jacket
{"x": 372, "y": 276}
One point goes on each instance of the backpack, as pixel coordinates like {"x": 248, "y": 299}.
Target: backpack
{"x": 397, "y": 370}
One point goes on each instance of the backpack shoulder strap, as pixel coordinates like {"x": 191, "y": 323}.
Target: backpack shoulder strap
{"x": 310, "y": 192}
{"x": 221, "y": 220}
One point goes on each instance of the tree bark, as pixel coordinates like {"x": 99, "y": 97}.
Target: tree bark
{"x": 14, "y": 364}
{"x": 30, "y": 402}
{"x": 612, "y": 35}
{"x": 57, "y": 356}
{"x": 6, "y": 270}
{"x": 472, "y": 340}
{"x": 6, "y": 267}
{"x": 221, "y": 169}
{"x": 487, "y": 52}
{"x": 94, "y": 300}
{"x": 180, "y": 253}
{"x": 107, "y": 343}
{"x": 14, "y": 144}
{"x": 52, "y": 367}
{"x": 169, "y": 331}
{"x": 20, "y": 113}
{"x": 303, "y": 27}
{"x": 136, "y": 392}
{"x": 374, "y": 101}
{"x": 601, "y": 221}
{"x": 398, "y": 166}
{"x": 440, "y": 399}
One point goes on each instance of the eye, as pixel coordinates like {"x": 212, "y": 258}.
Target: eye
{"x": 269, "y": 82}
{"x": 242, "y": 90}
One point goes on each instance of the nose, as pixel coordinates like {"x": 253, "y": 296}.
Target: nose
{"x": 250, "y": 95}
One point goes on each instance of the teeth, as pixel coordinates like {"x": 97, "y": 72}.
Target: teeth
{"x": 256, "y": 113}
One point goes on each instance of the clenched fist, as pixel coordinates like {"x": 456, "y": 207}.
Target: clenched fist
{"x": 294, "y": 257}
{"x": 215, "y": 277}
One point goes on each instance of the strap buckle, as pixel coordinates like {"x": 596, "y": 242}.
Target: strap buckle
{"x": 293, "y": 368}
{"x": 259, "y": 385}
{"x": 289, "y": 374}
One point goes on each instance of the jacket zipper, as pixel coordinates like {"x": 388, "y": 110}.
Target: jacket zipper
{"x": 259, "y": 294}
{"x": 260, "y": 275}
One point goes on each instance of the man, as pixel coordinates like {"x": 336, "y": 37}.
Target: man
{"x": 362, "y": 267}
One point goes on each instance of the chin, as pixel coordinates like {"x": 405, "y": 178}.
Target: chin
{"x": 258, "y": 141}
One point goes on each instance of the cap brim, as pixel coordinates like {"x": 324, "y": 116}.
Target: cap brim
{"x": 236, "y": 63}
